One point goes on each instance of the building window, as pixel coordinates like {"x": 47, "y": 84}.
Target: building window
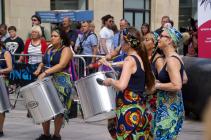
{"x": 69, "y": 4}
{"x": 137, "y": 12}
{"x": 187, "y": 10}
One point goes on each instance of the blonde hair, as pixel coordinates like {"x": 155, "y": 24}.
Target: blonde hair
{"x": 37, "y": 28}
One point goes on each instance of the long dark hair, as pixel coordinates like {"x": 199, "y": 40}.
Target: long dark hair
{"x": 140, "y": 48}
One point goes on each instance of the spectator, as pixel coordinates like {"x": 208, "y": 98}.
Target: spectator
{"x": 145, "y": 29}
{"x": 87, "y": 45}
{"x": 123, "y": 23}
{"x": 3, "y": 32}
{"x": 165, "y": 19}
{"x": 193, "y": 46}
{"x": 106, "y": 35}
{"x": 116, "y": 35}
{"x": 36, "y": 20}
{"x": 72, "y": 34}
{"x": 186, "y": 41}
{"x": 34, "y": 46}
{"x": 92, "y": 27}
{"x": 14, "y": 43}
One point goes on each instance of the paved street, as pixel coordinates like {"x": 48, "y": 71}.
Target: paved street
{"x": 18, "y": 127}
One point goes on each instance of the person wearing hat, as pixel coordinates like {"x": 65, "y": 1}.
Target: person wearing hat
{"x": 169, "y": 115}
{"x": 36, "y": 20}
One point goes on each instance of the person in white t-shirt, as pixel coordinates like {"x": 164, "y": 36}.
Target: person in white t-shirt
{"x": 106, "y": 35}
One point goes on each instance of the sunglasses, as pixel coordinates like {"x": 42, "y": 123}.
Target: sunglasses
{"x": 111, "y": 21}
{"x": 34, "y": 20}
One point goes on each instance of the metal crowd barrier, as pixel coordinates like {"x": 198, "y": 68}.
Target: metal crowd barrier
{"x": 22, "y": 70}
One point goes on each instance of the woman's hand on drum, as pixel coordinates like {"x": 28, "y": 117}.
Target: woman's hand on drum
{"x": 108, "y": 82}
{"x": 37, "y": 72}
{"x": 42, "y": 75}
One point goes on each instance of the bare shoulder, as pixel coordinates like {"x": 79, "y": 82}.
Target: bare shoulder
{"x": 129, "y": 60}
{"x": 175, "y": 58}
{"x": 66, "y": 50}
{"x": 173, "y": 63}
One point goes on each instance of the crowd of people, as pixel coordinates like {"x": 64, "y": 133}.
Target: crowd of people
{"x": 149, "y": 104}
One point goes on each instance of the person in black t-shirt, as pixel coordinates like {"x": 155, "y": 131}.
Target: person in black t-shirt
{"x": 14, "y": 44}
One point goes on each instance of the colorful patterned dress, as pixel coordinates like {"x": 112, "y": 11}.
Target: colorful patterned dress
{"x": 132, "y": 120}
{"x": 170, "y": 109}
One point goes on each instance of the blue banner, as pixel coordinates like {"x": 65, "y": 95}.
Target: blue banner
{"x": 23, "y": 73}
{"x": 57, "y": 16}
{"x": 51, "y": 17}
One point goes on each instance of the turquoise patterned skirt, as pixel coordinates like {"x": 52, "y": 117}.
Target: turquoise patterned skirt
{"x": 169, "y": 115}
{"x": 64, "y": 86}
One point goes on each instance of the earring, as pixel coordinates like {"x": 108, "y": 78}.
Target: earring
{"x": 62, "y": 43}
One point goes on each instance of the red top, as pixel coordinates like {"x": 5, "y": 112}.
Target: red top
{"x": 44, "y": 47}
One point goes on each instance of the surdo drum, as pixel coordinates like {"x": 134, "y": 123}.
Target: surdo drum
{"x": 42, "y": 100}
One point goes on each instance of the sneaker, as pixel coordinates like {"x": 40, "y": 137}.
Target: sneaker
{"x": 44, "y": 137}
{"x": 1, "y": 134}
{"x": 56, "y": 138}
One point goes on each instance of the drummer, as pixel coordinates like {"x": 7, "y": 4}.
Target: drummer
{"x": 5, "y": 68}
{"x": 131, "y": 112}
{"x": 156, "y": 58}
{"x": 57, "y": 58}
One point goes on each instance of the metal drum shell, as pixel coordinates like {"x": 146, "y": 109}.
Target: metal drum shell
{"x": 4, "y": 98}
{"x": 97, "y": 101}
{"x": 42, "y": 100}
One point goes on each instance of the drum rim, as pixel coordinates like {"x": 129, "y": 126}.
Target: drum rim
{"x": 92, "y": 75}
{"x": 37, "y": 81}
{"x": 91, "y": 118}
{"x": 49, "y": 118}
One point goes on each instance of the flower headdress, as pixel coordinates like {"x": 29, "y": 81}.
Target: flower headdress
{"x": 130, "y": 38}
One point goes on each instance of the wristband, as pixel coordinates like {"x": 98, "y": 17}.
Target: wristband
{"x": 95, "y": 65}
